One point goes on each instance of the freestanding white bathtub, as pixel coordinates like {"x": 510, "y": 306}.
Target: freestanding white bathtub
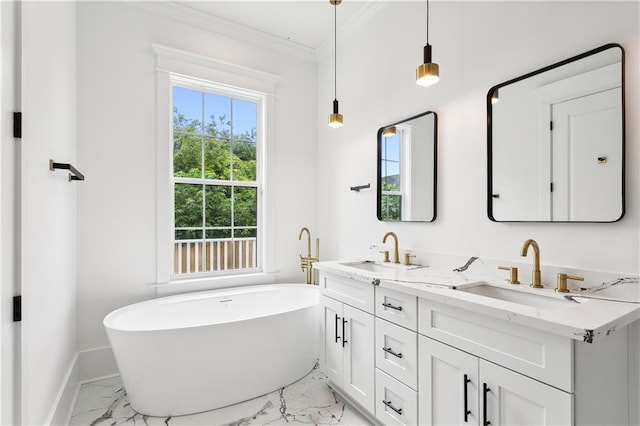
{"x": 200, "y": 351}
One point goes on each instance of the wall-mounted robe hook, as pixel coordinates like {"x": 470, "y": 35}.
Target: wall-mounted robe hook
{"x": 358, "y": 188}
{"x": 74, "y": 173}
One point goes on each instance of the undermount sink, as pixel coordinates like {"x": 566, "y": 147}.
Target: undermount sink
{"x": 541, "y": 301}
{"x": 368, "y": 265}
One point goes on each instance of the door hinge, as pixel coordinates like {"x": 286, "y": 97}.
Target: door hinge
{"x": 551, "y": 125}
{"x": 17, "y": 125}
{"x": 551, "y": 187}
{"x": 17, "y": 308}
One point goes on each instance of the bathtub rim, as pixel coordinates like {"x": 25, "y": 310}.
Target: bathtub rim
{"x": 107, "y": 322}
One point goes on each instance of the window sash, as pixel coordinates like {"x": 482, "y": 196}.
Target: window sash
{"x": 177, "y": 245}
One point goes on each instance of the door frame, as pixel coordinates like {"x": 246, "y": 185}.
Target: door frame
{"x": 10, "y": 331}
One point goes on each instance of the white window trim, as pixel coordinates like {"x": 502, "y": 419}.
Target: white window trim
{"x": 173, "y": 65}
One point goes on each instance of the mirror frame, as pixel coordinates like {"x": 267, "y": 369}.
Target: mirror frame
{"x": 435, "y": 168}
{"x": 534, "y": 73}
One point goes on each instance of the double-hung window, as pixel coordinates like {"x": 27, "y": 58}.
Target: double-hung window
{"x": 216, "y": 179}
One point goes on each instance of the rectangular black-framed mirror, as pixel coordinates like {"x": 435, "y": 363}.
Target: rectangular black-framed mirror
{"x": 555, "y": 142}
{"x": 407, "y": 169}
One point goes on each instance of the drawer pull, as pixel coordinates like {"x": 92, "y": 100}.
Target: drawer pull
{"x": 390, "y": 306}
{"x": 466, "y": 381}
{"x": 388, "y": 404}
{"x": 390, "y": 351}
{"x": 337, "y": 319}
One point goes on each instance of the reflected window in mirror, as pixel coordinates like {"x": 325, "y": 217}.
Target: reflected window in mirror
{"x": 555, "y": 141}
{"x": 391, "y": 163}
{"x": 407, "y": 169}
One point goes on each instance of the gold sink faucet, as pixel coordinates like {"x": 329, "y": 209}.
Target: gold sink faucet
{"x": 535, "y": 276}
{"x": 306, "y": 262}
{"x": 396, "y": 255}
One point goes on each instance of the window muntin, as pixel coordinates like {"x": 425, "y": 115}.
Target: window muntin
{"x": 216, "y": 181}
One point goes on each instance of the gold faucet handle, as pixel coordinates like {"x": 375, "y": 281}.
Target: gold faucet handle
{"x": 562, "y": 282}
{"x": 513, "y": 273}
{"x": 386, "y": 255}
{"x": 407, "y": 258}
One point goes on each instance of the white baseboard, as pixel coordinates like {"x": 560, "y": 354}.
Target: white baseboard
{"x": 63, "y": 404}
{"x": 86, "y": 366}
{"x": 96, "y": 363}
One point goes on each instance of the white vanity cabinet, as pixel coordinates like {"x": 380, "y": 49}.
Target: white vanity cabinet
{"x": 347, "y": 337}
{"x": 476, "y": 369}
{"x": 420, "y": 357}
{"x": 457, "y": 388}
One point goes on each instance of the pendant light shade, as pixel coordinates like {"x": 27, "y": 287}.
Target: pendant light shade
{"x": 389, "y": 131}
{"x": 335, "y": 118}
{"x": 495, "y": 97}
{"x": 428, "y": 72}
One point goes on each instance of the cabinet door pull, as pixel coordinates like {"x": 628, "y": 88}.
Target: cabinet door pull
{"x": 390, "y": 351}
{"x": 390, "y": 306}
{"x": 485, "y": 390}
{"x": 388, "y": 404}
{"x": 466, "y": 401}
{"x": 344, "y": 321}
{"x": 337, "y": 337}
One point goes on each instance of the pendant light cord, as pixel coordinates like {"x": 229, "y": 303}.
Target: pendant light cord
{"x": 427, "y": 21}
{"x": 335, "y": 51}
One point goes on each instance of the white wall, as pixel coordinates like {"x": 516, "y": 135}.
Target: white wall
{"x": 48, "y": 205}
{"x": 117, "y": 149}
{"x": 477, "y": 45}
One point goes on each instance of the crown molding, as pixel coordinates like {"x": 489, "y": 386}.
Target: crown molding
{"x": 226, "y": 28}
{"x": 188, "y": 15}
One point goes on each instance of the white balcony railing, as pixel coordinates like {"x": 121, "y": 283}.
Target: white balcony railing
{"x": 221, "y": 254}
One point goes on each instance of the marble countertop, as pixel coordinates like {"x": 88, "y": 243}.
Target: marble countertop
{"x": 590, "y": 313}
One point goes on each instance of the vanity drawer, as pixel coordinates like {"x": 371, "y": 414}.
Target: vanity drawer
{"x": 399, "y": 308}
{"x": 543, "y": 356}
{"x": 397, "y": 352}
{"x": 358, "y": 294}
{"x": 396, "y": 404}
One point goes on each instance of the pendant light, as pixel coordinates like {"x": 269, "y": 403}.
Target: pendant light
{"x": 335, "y": 119}
{"x": 495, "y": 97}
{"x": 389, "y": 131}
{"x": 427, "y": 73}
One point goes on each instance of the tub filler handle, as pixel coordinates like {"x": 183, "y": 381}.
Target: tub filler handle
{"x": 337, "y": 319}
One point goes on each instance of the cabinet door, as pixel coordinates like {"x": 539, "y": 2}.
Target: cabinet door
{"x": 513, "y": 399}
{"x": 447, "y": 385}
{"x": 358, "y": 381}
{"x": 331, "y": 352}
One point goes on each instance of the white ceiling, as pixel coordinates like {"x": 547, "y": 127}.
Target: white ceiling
{"x": 307, "y": 23}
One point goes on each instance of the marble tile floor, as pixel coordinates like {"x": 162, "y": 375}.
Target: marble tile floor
{"x": 308, "y": 401}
